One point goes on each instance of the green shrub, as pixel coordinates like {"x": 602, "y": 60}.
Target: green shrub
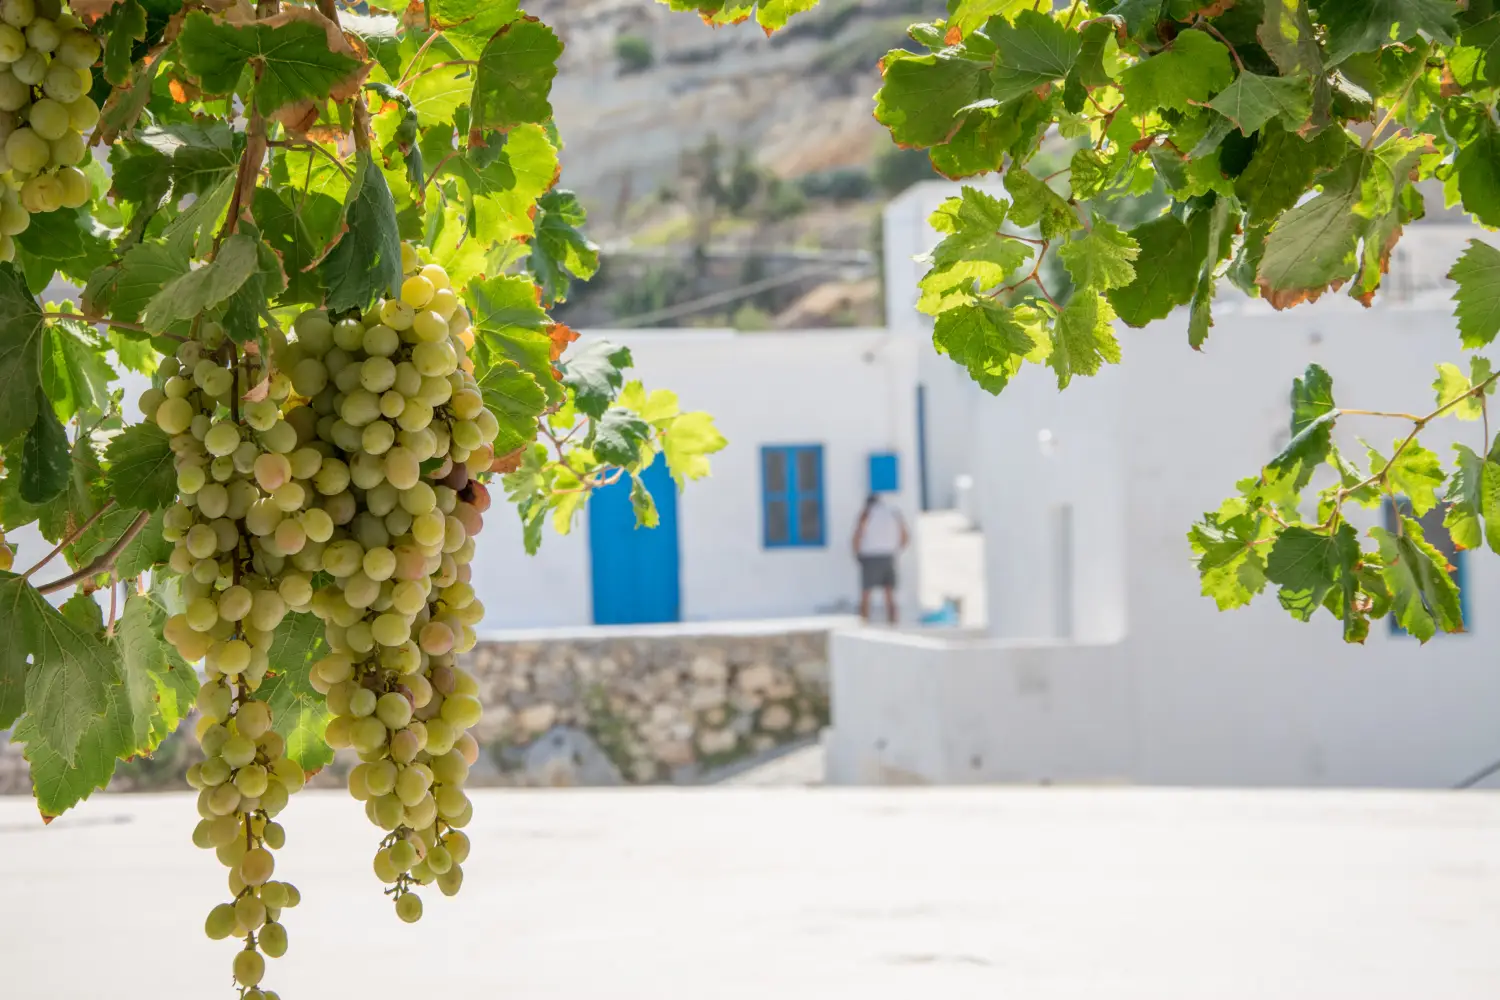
{"x": 633, "y": 52}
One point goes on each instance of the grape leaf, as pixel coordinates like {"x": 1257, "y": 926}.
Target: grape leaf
{"x": 1424, "y": 597}
{"x": 22, "y": 333}
{"x": 1488, "y": 491}
{"x": 1452, "y": 384}
{"x": 1031, "y": 51}
{"x": 285, "y": 232}
{"x": 516, "y": 400}
{"x": 141, "y": 470}
{"x": 298, "y": 712}
{"x": 1415, "y": 473}
{"x": 1282, "y": 167}
{"x": 365, "y": 262}
{"x": 619, "y": 436}
{"x": 1313, "y": 246}
{"x": 509, "y": 324}
{"x": 189, "y": 294}
{"x": 1308, "y": 564}
{"x": 559, "y": 251}
{"x": 470, "y": 24}
{"x": 145, "y": 268}
{"x": 1463, "y": 499}
{"x": 966, "y": 15}
{"x": 1312, "y": 398}
{"x": 1231, "y": 564}
{"x": 124, "y": 26}
{"x": 71, "y": 672}
{"x": 1475, "y": 61}
{"x": 514, "y": 77}
{"x": 595, "y": 374}
{"x": 75, "y": 372}
{"x": 920, "y": 95}
{"x": 1252, "y": 100}
{"x": 1366, "y": 26}
{"x": 45, "y": 462}
{"x": 769, "y": 14}
{"x": 1190, "y": 70}
{"x": 1478, "y": 167}
{"x": 1036, "y": 204}
{"x": 299, "y": 53}
{"x": 1166, "y": 270}
{"x": 986, "y": 339}
{"x": 1290, "y": 38}
{"x": 60, "y": 781}
{"x": 687, "y": 441}
{"x": 973, "y": 253}
{"x": 1102, "y": 258}
{"x": 641, "y": 502}
{"x": 1083, "y": 338}
{"x": 1477, "y": 274}
{"x": 156, "y": 681}
{"x": 1223, "y": 221}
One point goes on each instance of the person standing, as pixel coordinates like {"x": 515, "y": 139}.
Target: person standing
{"x": 878, "y": 539}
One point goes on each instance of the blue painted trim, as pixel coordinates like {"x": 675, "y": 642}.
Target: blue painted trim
{"x": 885, "y": 472}
{"x": 635, "y": 572}
{"x": 793, "y": 495}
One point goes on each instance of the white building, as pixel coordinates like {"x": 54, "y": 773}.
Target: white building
{"x": 769, "y": 533}
{"x": 1101, "y": 661}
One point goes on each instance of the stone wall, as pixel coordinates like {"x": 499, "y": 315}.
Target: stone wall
{"x": 636, "y": 709}
{"x": 669, "y": 706}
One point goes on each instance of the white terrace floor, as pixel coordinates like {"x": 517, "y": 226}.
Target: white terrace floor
{"x": 798, "y": 894}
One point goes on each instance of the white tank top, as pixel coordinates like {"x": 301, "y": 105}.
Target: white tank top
{"x": 882, "y": 532}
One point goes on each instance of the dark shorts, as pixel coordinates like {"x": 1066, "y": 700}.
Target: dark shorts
{"x": 877, "y": 571}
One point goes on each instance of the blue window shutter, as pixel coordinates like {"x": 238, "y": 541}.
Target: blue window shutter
{"x": 792, "y": 514}
{"x": 885, "y": 474}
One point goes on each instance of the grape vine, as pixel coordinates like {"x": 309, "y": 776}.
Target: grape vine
{"x": 329, "y": 241}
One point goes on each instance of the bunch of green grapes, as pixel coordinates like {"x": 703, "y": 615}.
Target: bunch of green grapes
{"x": 249, "y": 493}
{"x": 397, "y": 401}
{"x": 46, "y": 56}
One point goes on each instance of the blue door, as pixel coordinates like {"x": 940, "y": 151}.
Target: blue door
{"x": 635, "y": 570}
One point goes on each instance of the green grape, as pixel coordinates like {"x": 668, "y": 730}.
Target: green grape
{"x": 14, "y": 95}
{"x": 451, "y": 880}
{"x": 391, "y": 629}
{"x": 416, "y": 291}
{"x": 458, "y": 846}
{"x": 221, "y": 922}
{"x": 439, "y": 860}
{"x": 385, "y": 867}
{"x": 60, "y": 81}
{"x": 394, "y": 710}
{"x": 250, "y": 911}
{"x": 367, "y": 734}
{"x": 83, "y": 114}
{"x": 257, "y": 866}
{"x": 12, "y": 43}
{"x": 29, "y": 152}
{"x": 403, "y": 855}
{"x": 272, "y": 940}
{"x": 48, "y": 118}
{"x": 222, "y": 439}
{"x": 402, "y": 468}
{"x": 238, "y": 750}
{"x": 249, "y": 967}
{"x": 78, "y": 49}
{"x": 445, "y": 303}
{"x": 66, "y": 151}
{"x": 412, "y": 784}
{"x": 309, "y": 376}
{"x": 430, "y": 326}
{"x": 31, "y": 69}
{"x": 42, "y": 35}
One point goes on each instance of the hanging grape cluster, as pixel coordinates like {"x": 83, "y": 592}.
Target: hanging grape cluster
{"x": 336, "y": 481}
{"x": 45, "y": 109}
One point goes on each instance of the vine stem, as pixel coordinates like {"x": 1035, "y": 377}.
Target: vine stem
{"x": 311, "y": 146}
{"x": 1378, "y": 413}
{"x": 330, "y": 10}
{"x": 104, "y": 561}
{"x": 421, "y": 51}
{"x": 1202, "y": 23}
{"x": 1418, "y": 423}
{"x": 1390, "y": 112}
{"x": 433, "y": 69}
{"x": 69, "y": 540}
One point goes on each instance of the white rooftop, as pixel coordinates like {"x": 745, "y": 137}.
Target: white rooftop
{"x": 798, "y": 894}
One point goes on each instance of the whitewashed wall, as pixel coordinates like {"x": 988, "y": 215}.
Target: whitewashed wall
{"x": 1159, "y": 686}
{"x": 850, "y": 391}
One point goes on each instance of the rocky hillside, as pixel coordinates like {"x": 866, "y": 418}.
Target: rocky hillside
{"x": 641, "y": 85}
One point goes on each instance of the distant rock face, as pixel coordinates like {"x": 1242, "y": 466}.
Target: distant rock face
{"x": 638, "y": 710}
